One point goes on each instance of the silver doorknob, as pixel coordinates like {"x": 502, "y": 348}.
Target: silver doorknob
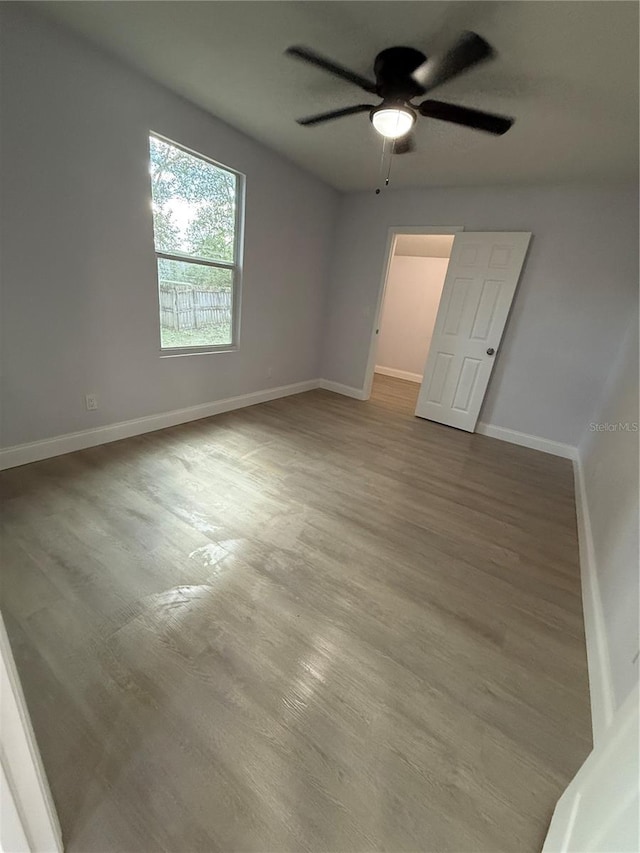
{"x": 490, "y": 351}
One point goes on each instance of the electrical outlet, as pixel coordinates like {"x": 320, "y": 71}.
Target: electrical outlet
{"x": 269, "y": 372}
{"x": 91, "y": 402}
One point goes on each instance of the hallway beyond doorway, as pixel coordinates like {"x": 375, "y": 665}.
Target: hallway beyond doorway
{"x": 397, "y": 394}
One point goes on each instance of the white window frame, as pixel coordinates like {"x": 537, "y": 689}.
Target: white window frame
{"x": 235, "y": 266}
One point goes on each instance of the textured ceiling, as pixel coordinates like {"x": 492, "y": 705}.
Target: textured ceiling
{"x": 568, "y": 72}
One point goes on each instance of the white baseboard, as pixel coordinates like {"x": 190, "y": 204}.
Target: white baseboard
{"x": 21, "y": 454}
{"x": 535, "y": 442}
{"x": 398, "y": 374}
{"x": 600, "y": 679}
{"x": 338, "y": 388}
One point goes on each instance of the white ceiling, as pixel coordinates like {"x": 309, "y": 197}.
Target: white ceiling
{"x": 424, "y": 245}
{"x": 567, "y": 71}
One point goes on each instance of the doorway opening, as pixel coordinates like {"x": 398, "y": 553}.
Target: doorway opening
{"x": 411, "y": 290}
{"x": 465, "y": 318}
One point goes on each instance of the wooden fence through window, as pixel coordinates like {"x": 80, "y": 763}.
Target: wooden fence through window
{"x": 183, "y": 308}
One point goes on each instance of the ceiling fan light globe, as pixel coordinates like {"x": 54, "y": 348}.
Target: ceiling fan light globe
{"x": 393, "y": 122}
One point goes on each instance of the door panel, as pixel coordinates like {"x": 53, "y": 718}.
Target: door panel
{"x": 439, "y": 378}
{"x": 485, "y": 313}
{"x": 466, "y": 384}
{"x": 455, "y": 306}
{"x": 480, "y": 285}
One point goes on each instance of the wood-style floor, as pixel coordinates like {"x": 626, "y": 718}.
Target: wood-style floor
{"x": 315, "y": 624}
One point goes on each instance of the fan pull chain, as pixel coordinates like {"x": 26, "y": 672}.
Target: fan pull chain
{"x": 386, "y": 183}
{"x": 381, "y": 169}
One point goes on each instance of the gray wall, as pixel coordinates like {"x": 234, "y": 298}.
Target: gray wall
{"x": 78, "y": 270}
{"x": 610, "y": 467}
{"x": 577, "y": 288}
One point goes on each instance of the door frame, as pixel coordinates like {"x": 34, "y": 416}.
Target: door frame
{"x": 392, "y": 235}
{"x": 24, "y": 791}
{"x": 619, "y": 741}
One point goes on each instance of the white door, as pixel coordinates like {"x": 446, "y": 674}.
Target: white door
{"x": 478, "y": 290}
{"x": 599, "y": 811}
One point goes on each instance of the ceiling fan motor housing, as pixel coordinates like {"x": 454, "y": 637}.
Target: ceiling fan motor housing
{"x": 393, "y": 68}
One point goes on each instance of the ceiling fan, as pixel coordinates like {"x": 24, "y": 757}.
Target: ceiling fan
{"x": 402, "y": 74}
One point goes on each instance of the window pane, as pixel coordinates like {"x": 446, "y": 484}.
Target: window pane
{"x": 194, "y": 203}
{"x": 196, "y": 302}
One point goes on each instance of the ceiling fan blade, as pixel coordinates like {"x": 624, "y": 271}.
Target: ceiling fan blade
{"x": 307, "y": 55}
{"x": 469, "y": 50}
{"x": 347, "y": 111}
{"x": 476, "y": 119}
{"x": 405, "y": 144}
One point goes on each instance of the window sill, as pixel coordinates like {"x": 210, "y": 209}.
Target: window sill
{"x": 177, "y": 353}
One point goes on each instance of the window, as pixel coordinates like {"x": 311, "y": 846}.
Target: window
{"x": 197, "y": 209}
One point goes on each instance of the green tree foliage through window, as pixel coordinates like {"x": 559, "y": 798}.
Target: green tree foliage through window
{"x": 194, "y": 206}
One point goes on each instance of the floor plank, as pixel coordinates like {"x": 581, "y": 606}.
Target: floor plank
{"x": 315, "y": 624}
